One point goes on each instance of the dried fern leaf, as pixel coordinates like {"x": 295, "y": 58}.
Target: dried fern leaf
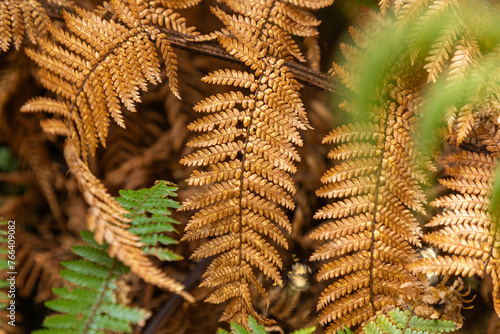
{"x": 20, "y": 17}
{"x": 466, "y": 228}
{"x": 465, "y": 56}
{"x": 248, "y": 138}
{"x": 98, "y": 65}
{"x": 369, "y": 241}
{"x": 440, "y": 53}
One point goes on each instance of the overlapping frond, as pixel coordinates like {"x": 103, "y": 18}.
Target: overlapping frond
{"x": 451, "y": 43}
{"x": 150, "y": 214}
{"x": 248, "y": 139}
{"x": 110, "y": 223}
{"x": 465, "y": 228}
{"x": 441, "y": 43}
{"x": 373, "y": 229}
{"x": 98, "y": 65}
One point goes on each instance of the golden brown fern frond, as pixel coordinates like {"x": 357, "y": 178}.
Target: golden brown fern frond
{"x": 99, "y": 65}
{"x": 465, "y": 229}
{"x": 20, "y": 17}
{"x": 94, "y": 67}
{"x": 106, "y": 218}
{"x": 372, "y": 227}
{"x": 248, "y": 139}
{"x": 441, "y": 52}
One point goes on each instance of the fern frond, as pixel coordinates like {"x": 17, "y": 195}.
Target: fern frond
{"x": 465, "y": 56}
{"x": 255, "y": 328}
{"x": 465, "y": 229}
{"x": 95, "y": 66}
{"x": 441, "y": 51}
{"x": 369, "y": 242}
{"x": 249, "y": 141}
{"x": 396, "y": 320}
{"x": 91, "y": 305}
{"x": 150, "y": 214}
{"x": 99, "y": 64}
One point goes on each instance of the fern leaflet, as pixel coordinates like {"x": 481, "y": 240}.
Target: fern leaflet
{"x": 403, "y": 322}
{"x": 151, "y": 217}
{"x": 255, "y": 328}
{"x": 466, "y": 228}
{"x": 91, "y": 305}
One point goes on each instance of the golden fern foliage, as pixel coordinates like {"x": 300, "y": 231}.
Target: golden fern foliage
{"x": 372, "y": 226}
{"x": 245, "y": 148}
{"x": 99, "y": 65}
{"x": 372, "y": 230}
{"x": 18, "y": 17}
{"x": 455, "y": 54}
{"x": 248, "y": 140}
{"x": 465, "y": 228}
{"x": 376, "y": 186}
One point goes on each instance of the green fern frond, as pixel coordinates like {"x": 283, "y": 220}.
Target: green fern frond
{"x": 150, "y": 211}
{"x": 307, "y": 330}
{"x": 402, "y": 322}
{"x": 255, "y": 328}
{"x": 90, "y": 306}
{"x": 344, "y": 331}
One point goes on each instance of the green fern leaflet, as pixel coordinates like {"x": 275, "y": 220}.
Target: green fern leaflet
{"x": 258, "y": 329}
{"x": 91, "y": 306}
{"x": 402, "y": 322}
{"x": 150, "y": 213}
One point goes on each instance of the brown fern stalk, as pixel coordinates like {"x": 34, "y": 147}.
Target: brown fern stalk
{"x": 248, "y": 139}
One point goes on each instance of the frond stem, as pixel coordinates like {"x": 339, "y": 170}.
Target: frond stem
{"x": 374, "y": 215}
{"x": 99, "y": 301}
{"x": 240, "y": 200}
{"x": 304, "y": 74}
